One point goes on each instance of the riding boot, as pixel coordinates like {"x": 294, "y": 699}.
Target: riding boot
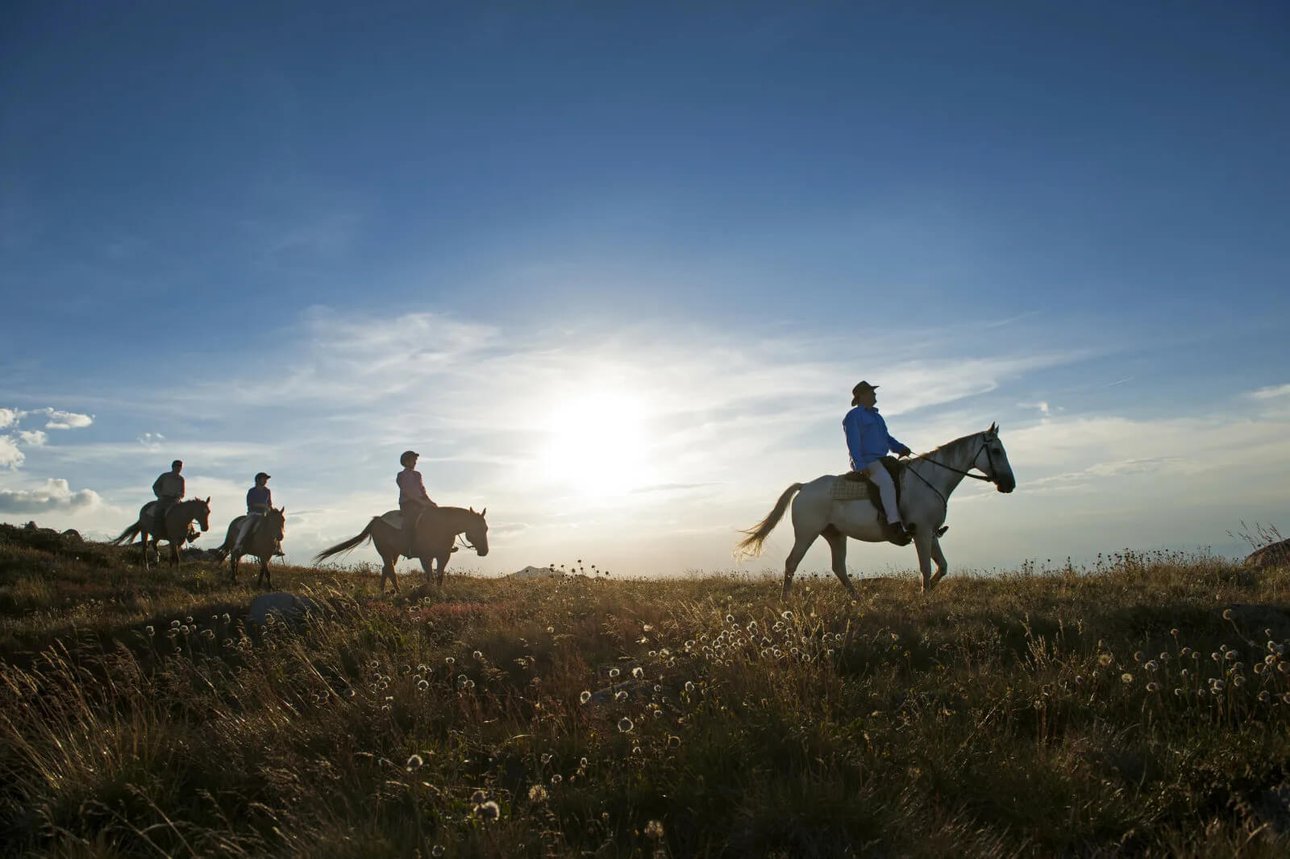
{"x": 896, "y": 533}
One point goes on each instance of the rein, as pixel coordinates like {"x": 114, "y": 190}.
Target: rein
{"x": 927, "y": 457}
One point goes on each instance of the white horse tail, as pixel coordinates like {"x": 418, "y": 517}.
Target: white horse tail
{"x": 348, "y": 544}
{"x": 750, "y": 546}
{"x": 127, "y": 535}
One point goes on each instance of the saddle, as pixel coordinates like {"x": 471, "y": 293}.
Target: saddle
{"x": 858, "y": 486}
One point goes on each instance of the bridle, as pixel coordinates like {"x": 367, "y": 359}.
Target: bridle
{"x": 927, "y": 457}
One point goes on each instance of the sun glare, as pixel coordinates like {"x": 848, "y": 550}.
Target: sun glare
{"x": 597, "y": 444}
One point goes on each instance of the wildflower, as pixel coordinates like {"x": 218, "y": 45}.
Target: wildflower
{"x": 537, "y": 793}
{"x": 148, "y": 629}
{"x": 620, "y": 695}
{"x": 585, "y": 696}
{"x": 1126, "y": 677}
{"x": 647, "y": 627}
{"x": 1137, "y": 656}
{"x": 1151, "y": 665}
{"x": 689, "y": 685}
{"x": 488, "y": 810}
{"x": 1285, "y": 699}
{"x": 625, "y": 724}
{"x": 174, "y": 624}
{"x": 557, "y": 779}
{"x": 188, "y": 620}
{"x": 479, "y": 796}
{"x": 1186, "y": 651}
{"x": 1264, "y": 697}
{"x": 1230, "y": 656}
{"x": 1104, "y": 660}
{"x": 1216, "y": 685}
{"x": 1227, "y": 614}
{"x": 1179, "y": 692}
{"x": 1153, "y": 686}
{"x": 422, "y": 685}
{"x": 550, "y": 629}
{"x": 730, "y": 618}
{"x": 449, "y": 660}
{"x": 788, "y": 615}
{"x": 1268, "y": 660}
{"x": 613, "y": 672}
{"x": 1238, "y": 681}
{"x": 1216, "y": 657}
{"x": 477, "y": 655}
{"x": 546, "y": 758}
{"x": 1174, "y": 632}
{"x": 673, "y": 741}
{"x": 638, "y": 672}
{"x": 415, "y": 762}
{"x": 654, "y": 830}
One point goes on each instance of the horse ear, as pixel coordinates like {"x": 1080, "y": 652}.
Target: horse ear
{"x": 208, "y": 501}
{"x": 482, "y": 512}
{"x": 994, "y": 427}
{"x": 471, "y": 509}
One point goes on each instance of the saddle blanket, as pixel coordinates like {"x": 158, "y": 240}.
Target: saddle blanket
{"x": 394, "y": 518}
{"x": 850, "y": 490}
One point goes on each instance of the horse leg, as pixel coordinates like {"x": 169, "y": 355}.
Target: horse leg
{"x": 794, "y": 558}
{"x": 143, "y": 543}
{"x": 939, "y": 557}
{"x": 264, "y": 578}
{"x": 387, "y": 569}
{"x": 923, "y": 544}
{"x": 838, "y": 547}
{"x": 232, "y": 567}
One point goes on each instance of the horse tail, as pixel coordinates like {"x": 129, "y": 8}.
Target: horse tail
{"x": 348, "y": 544}
{"x": 750, "y": 546}
{"x": 127, "y": 535}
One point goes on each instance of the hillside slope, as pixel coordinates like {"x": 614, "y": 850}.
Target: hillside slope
{"x": 1142, "y": 707}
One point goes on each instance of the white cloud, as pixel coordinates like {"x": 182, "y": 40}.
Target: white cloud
{"x": 151, "y": 440}
{"x": 9, "y": 417}
{"x": 66, "y": 420}
{"x": 35, "y": 438}
{"x": 53, "y": 495}
{"x": 10, "y": 455}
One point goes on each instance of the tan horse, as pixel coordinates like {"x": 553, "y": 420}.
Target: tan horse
{"x": 437, "y": 530}
{"x": 174, "y": 529}
{"x": 264, "y": 543}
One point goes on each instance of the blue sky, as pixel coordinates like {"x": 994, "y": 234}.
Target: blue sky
{"x": 614, "y": 268}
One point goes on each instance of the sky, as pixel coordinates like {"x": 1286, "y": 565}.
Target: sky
{"x": 614, "y": 268}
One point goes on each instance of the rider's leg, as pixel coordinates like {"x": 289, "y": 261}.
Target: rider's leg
{"x": 247, "y": 524}
{"x": 882, "y": 478}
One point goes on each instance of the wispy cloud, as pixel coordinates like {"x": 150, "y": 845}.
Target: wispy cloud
{"x": 1270, "y": 393}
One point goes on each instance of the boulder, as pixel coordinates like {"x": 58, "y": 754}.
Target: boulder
{"x": 531, "y": 572}
{"x": 283, "y": 606}
{"x": 1273, "y": 555}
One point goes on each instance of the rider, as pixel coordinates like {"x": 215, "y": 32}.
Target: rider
{"x": 259, "y": 500}
{"x": 413, "y": 500}
{"x": 868, "y": 441}
{"x": 169, "y": 488}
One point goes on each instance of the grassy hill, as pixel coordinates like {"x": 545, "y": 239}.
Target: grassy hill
{"x": 1139, "y": 708}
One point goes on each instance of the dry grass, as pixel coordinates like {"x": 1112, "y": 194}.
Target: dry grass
{"x": 1141, "y": 707}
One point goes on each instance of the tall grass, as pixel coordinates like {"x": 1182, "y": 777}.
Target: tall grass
{"x": 1141, "y": 707}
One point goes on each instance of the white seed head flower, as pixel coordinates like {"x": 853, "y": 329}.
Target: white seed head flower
{"x": 585, "y": 696}
{"x": 613, "y": 672}
{"x": 1126, "y": 677}
{"x": 1152, "y": 665}
{"x": 625, "y": 724}
{"x": 638, "y": 672}
{"x": 415, "y": 762}
{"x": 1227, "y": 614}
{"x": 1153, "y": 686}
{"x": 488, "y": 810}
{"x": 537, "y": 793}
{"x": 654, "y": 830}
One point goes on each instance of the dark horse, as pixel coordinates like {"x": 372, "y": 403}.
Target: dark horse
{"x": 174, "y": 529}
{"x": 437, "y": 530}
{"x": 264, "y": 542}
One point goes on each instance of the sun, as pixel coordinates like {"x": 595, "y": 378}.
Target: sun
{"x": 597, "y": 445}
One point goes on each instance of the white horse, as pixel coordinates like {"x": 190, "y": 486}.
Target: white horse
{"x": 925, "y": 486}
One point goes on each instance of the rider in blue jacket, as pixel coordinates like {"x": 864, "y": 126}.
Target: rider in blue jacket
{"x": 868, "y": 441}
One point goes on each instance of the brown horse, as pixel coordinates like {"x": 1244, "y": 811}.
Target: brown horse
{"x": 437, "y": 530}
{"x": 264, "y": 543}
{"x": 174, "y": 529}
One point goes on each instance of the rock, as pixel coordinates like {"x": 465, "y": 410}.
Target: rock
{"x": 531, "y": 572}
{"x": 283, "y": 606}
{"x": 1274, "y": 555}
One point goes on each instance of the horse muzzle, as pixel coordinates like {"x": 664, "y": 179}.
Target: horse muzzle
{"x": 1006, "y": 487}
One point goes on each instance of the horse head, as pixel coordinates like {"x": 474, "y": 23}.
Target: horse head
{"x": 477, "y": 532}
{"x": 204, "y": 513}
{"x": 995, "y": 465}
{"x": 275, "y": 523}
